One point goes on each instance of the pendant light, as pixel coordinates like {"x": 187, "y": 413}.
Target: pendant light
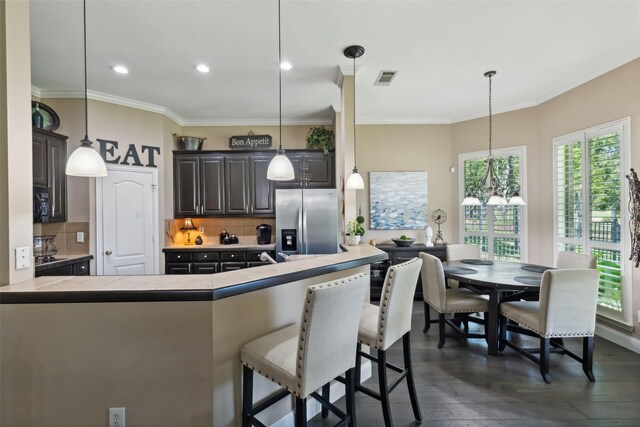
{"x": 85, "y": 161}
{"x": 355, "y": 181}
{"x": 495, "y": 189}
{"x": 280, "y": 168}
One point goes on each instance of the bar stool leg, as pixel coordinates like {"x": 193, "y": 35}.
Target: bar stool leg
{"x": 349, "y": 394}
{"x": 358, "y": 367}
{"x": 325, "y": 396}
{"x": 502, "y": 327}
{"x": 406, "y": 349}
{"x": 384, "y": 389}
{"x": 247, "y": 395}
{"x": 544, "y": 359}
{"x": 301, "y": 412}
{"x": 427, "y": 317}
{"x": 587, "y": 358}
{"x": 441, "y": 326}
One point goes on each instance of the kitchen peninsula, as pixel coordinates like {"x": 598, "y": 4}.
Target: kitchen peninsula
{"x": 75, "y": 346}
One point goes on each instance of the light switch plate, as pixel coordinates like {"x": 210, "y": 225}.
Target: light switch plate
{"x": 22, "y": 258}
{"x": 80, "y": 237}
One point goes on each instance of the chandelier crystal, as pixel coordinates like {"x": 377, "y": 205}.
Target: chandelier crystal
{"x": 496, "y": 190}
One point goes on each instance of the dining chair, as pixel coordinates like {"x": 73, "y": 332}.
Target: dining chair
{"x": 381, "y": 326}
{"x": 461, "y": 251}
{"x": 447, "y": 300}
{"x": 567, "y": 308}
{"x": 575, "y": 260}
{"x": 303, "y": 358}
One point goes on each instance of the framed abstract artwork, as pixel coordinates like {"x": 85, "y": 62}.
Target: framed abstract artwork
{"x": 398, "y": 200}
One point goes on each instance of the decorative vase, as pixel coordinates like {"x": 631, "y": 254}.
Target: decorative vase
{"x": 352, "y": 240}
{"x": 198, "y": 240}
{"x": 428, "y": 234}
{"x": 36, "y": 118}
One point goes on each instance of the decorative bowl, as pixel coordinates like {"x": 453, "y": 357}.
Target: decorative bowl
{"x": 403, "y": 242}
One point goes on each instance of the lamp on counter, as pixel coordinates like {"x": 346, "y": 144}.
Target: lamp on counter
{"x": 280, "y": 168}
{"x": 497, "y": 191}
{"x": 355, "y": 181}
{"x": 85, "y": 161}
{"x": 188, "y": 226}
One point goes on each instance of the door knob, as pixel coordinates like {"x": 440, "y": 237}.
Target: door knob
{"x": 108, "y": 252}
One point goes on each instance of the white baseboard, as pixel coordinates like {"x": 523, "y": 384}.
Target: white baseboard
{"x": 623, "y": 340}
{"x": 313, "y": 406}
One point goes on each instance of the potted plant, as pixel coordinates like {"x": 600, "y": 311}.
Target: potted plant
{"x": 320, "y": 137}
{"x": 354, "y": 231}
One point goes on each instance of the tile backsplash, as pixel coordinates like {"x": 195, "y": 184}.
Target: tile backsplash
{"x": 244, "y": 228}
{"x": 65, "y": 232}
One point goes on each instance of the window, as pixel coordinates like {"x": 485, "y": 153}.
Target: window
{"x": 499, "y": 230}
{"x": 589, "y": 206}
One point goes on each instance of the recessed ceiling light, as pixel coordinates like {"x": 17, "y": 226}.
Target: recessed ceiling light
{"x": 120, "y": 69}
{"x": 286, "y": 65}
{"x": 202, "y": 68}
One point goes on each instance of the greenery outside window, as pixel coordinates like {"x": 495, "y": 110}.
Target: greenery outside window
{"x": 590, "y": 214}
{"x": 500, "y": 231}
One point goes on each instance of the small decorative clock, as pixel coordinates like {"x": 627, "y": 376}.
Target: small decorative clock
{"x": 439, "y": 216}
{"x": 50, "y": 120}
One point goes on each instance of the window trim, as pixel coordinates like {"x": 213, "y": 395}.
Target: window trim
{"x": 625, "y": 164}
{"x": 518, "y": 150}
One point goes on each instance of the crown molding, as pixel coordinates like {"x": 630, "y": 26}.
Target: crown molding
{"x": 407, "y": 121}
{"x": 257, "y": 122}
{"x": 35, "y": 91}
{"x": 477, "y": 115}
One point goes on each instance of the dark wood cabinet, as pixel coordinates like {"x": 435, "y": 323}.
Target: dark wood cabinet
{"x": 198, "y": 182}
{"x": 49, "y": 164}
{"x": 226, "y": 183}
{"x": 210, "y": 261}
{"x": 70, "y": 267}
{"x": 313, "y": 169}
{"x": 398, "y": 255}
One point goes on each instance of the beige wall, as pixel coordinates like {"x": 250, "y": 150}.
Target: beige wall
{"x": 612, "y": 96}
{"x": 398, "y": 148}
{"x": 15, "y": 140}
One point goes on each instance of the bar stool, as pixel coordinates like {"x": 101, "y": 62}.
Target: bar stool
{"x": 303, "y": 358}
{"x": 381, "y": 326}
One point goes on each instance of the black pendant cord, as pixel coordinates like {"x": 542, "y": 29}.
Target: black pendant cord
{"x": 279, "y": 80}
{"x": 355, "y": 167}
{"x": 86, "y": 140}
{"x": 490, "y": 118}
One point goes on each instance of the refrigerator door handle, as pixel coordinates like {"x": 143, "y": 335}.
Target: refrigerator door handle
{"x": 300, "y": 235}
{"x": 304, "y": 231}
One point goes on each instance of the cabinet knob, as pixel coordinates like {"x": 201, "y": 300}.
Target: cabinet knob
{"x": 179, "y": 256}
{"x": 233, "y": 255}
{"x": 206, "y": 256}
{"x": 108, "y": 252}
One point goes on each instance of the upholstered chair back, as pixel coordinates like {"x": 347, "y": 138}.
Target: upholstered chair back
{"x": 433, "y": 283}
{"x": 568, "y": 300}
{"x": 574, "y": 260}
{"x": 458, "y": 252}
{"x": 396, "y": 301}
{"x": 329, "y": 331}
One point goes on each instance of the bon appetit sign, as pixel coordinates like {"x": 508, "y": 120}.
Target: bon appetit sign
{"x": 250, "y": 142}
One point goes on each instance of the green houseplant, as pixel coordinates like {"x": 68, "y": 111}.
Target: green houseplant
{"x": 320, "y": 137}
{"x": 354, "y": 231}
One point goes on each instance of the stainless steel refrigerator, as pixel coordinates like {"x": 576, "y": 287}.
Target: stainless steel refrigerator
{"x": 306, "y": 222}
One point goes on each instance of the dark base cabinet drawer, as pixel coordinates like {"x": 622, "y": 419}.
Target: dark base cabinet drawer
{"x": 230, "y": 266}
{"x": 206, "y": 256}
{"x": 255, "y": 256}
{"x": 67, "y": 270}
{"x": 179, "y": 256}
{"x": 205, "y": 268}
{"x": 233, "y": 256}
{"x": 174, "y": 268}
{"x": 81, "y": 269}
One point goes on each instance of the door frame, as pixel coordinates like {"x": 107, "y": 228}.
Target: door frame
{"x": 99, "y": 215}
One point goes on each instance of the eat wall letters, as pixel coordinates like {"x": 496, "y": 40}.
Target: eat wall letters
{"x": 108, "y": 148}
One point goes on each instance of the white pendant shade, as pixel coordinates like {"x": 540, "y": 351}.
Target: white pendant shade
{"x": 471, "y": 201}
{"x": 86, "y": 161}
{"x": 517, "y": 200}
{"x": 355, "y": 181}
{"x": 280, "y": 168}
{"x": 496, "y": 200}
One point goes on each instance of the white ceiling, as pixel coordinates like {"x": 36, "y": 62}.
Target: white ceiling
{"x": 439, "y": 48}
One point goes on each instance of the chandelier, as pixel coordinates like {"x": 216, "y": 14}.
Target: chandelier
{"x": 497, "y": 191}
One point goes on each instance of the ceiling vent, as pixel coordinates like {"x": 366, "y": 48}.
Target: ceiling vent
{"x": 385, "y": 78}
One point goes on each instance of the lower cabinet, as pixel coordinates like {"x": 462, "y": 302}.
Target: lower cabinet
{"x": 69, "y": 268}
{"x": 398, "y": 255}
{"x": 208, "y": 261}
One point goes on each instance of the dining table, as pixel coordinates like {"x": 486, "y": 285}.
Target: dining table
{"x": 501, "y": 281}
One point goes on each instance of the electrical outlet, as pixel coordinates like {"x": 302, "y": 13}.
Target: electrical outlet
{"x": 80, "y": 237}
{"x": 22, "y": 258}
{"x": 116, "y": 417}
{"x": 201, "y": 229}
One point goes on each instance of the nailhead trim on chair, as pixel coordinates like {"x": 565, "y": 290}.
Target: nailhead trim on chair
{"x": 469, "y": 310}
{"x": 575, "y": 334}
{"x": 305, "y": 321}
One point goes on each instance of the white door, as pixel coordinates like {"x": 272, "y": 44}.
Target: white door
{"x": 129, "y": 215}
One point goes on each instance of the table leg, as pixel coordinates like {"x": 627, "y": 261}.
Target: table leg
{"x": 491, "y": 326}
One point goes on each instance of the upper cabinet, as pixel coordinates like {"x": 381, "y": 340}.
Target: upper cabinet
{"x": 49, "y": 164}
{"x": 230, "y": 183}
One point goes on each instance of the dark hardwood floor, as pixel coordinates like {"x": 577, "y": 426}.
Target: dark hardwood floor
{"x": 460, "y": 385}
